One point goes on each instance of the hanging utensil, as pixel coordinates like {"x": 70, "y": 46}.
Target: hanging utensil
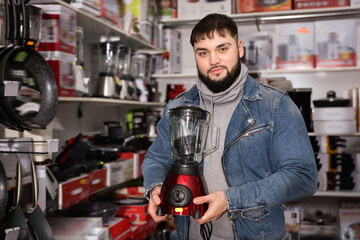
{"x": 3, "y": 191}
{"x": 36, "y": 218}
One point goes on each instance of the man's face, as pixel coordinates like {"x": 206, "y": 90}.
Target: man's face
{"x": 218, "y": 61}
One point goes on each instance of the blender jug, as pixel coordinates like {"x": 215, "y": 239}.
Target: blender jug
{"x": 123, "y": 72}
{"x": 189, "y": 131}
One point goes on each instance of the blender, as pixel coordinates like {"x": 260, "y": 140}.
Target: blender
{"x": 107, "y": 84}
{"x": 190, "y": 133}
{"x": 138, "y": 72}
{"x": 123, "y": 72}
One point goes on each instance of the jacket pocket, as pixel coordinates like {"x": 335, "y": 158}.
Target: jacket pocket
{"x": 258, "y": 129}
{"x": 255, "y": 214}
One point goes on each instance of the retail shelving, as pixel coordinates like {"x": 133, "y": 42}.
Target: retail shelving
{"x": 341, "y": 194}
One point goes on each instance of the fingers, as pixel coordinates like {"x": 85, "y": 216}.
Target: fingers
{"x": 154, "y": 203}
{"x": 217, "y": 206}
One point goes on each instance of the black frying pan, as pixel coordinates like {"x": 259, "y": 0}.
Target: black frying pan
{"x": 3, "y": 191}
{"x": 16, "y": 217}
{"x": 35, "y": 105}
{"x": 36, "y": 218}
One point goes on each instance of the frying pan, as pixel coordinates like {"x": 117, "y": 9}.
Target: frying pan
{"x": 16, "y": 217}
{"x": 3, "y": 191}
{"x": 35, "y": 105}
{"x": 36, "y": 218}
{"x": 11, "y": 33}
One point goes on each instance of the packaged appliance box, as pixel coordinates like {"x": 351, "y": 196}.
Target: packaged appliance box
{"x": 91, "y": 6}
{"x": 109, "y": 9}
{"x": 119, "y": 228}
{"x": 335, "y": 43}
{"x": 58, "y": 28}
{"x": 308, "y": 4}
{"x": 356, "y": 177}
{"x": 73, "y": 191}
{"x": 349, "y": 219}
{"x": 258, "y": 51}
{"x": 138, "y": 159}
{"x": 354, "y": 3}
{"x": 333, "y": 113}
{"x": 61, "y": 64}
{"x": 170, "y": 62}
{"x": 335, "y": 127}
{"x": 292, "y": 222}
{"x": 97, "y": 180}
{"x": 295, "y": 45}
{"x": 201, "y": 8}
{"x": 246, "y": 6}
{"x": 119, "y": 171}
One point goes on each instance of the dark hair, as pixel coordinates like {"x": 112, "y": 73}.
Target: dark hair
{"x": 211, "y": 23}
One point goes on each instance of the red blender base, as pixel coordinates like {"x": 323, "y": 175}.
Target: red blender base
{"x": 181, "y": 186}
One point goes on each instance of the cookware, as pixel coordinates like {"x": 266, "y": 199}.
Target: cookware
{"x": 114, "y": 129}
{"x": 3, "y": 191}
{"x": 36, "y": 218}
{"x": 35, "y": 105}
{"x": 16, "y": 217}
{"x": 331, "y": 101}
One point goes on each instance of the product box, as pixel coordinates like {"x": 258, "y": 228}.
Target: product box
{"x": 97, "y": 180}
{"x": 247, "y": 6}
{"x": 257, "y": 51}
{"x": 325, "y": 161}
{"x": 91, "y": 6}
{"x": 332, "y": 181}
{"x": 356, "y": 179}
{"x": 170, "y": 62}
{"x": 335, "y": 127}
{"x": 119, "y": 228}
{"x": 167, "y": 9}
{"x": 201, "y": 8}
{"x": 58, "y": 28}
{"x": 138, "y": 159}
{"x": 309, "y": 4}
{"x": 61, "y": 64}
{"x": 349, "y": 223}
{"x": 118, "y": 171}
{"x": 292, "y": 222}
{"x": 73, "y": 191}
{"x": 354, "y": 3}
{"x": 319, "y": 230}
{"x": 333, "y": 113}
{"x": 335, "y": 43}
{"x": 357, "y": 162}
{"x": 295, "y": 45}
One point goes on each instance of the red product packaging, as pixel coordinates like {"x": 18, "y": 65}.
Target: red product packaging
{"x": 138, "y": 159}
{"x": 308, "y": 4}
{"x": 119, "y": 228}
{"x": 97, "y": 180}
{"x": 73, "y": 191}
{"x": 247, "y": 6}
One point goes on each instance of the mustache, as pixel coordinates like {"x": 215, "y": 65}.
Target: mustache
{"x": 218, "y": 66}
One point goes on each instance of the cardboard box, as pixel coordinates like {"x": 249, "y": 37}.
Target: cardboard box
{"x": 119, "y": 228}
{"x": 309, "y": 4}
{"x": 349, "y": 223}
{"x": 201, "y": 8}
{"x": 118, "y": 171}
{"x": 335, "y": 43}
{"x": 292, "y": 222}
{"x": 58, "y": 28}
{"x": 91, "y": 6}
{"x": 61, "y": 64}
{"x": 170, "y": 62}
{"x": 295, "y": 45}
{"x": 333, "y": 113}
{"x": 138, "y": 159}
{"x": 335, "y": 127}
{"x": 109, "y": 9}
{"x": 73, "y": 191}
{"x": 356, "y": 179}
{"x": 354, "y": 3}
{"x": 97, "y": 180}
{"x": 247, "y": 6}
{"x": 258, "y": 51}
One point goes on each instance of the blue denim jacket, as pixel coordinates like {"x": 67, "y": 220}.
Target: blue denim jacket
{"x": 268, "y": 161}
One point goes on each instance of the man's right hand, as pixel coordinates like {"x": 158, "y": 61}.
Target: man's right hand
{"x": 154, "y": 203}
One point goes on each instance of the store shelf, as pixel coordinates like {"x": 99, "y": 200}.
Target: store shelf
{"x": 279, "y": 16}
{"x": 110, "y": 102}
{"x": 337, "y": 194}
{"x": 95, "y": 27}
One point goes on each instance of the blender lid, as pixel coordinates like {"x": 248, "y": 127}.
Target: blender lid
{"x": 189, "y": 110}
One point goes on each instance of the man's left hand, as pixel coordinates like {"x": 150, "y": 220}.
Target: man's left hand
{"x": 217, "y": 206}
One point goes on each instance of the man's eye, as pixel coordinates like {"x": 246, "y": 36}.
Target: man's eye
{"x": 223, "y": 49}
{"x": 202, "y": 53}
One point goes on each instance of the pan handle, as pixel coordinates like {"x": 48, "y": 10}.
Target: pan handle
{"x": 11, "y": 28}
{"x": 34, "y": 183}
{"x": 18, "y": 181}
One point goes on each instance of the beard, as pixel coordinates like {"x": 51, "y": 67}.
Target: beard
{"x": 224, "y": 83}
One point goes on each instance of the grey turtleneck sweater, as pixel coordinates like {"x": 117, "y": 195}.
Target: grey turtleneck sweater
{"x": 221, "y": 107}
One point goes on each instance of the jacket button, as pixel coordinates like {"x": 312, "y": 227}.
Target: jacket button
{"x": 250, "y": 120}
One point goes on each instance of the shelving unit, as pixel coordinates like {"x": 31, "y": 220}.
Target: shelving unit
{"x": 110, "y": 102}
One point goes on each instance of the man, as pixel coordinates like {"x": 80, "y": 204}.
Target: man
{"x": 264, "y": 158}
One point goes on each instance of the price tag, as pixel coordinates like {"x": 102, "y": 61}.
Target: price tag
{"x": 53, "y": 145}
{"x": 11, "y": 88}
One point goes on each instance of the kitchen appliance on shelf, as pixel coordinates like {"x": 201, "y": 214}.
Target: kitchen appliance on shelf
{"x": 123, "y": 73}
{"x": 190, "y": 134}
{"x": 138, "y": 71}
{"x": 107, "y": 84}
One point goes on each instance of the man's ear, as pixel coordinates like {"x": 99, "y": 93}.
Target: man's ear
{"x": 241, "y": 49}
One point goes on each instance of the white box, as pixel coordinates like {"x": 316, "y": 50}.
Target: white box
{"x": 58, "y": 28}
{"x": 333, "y": 113}
{"x": 335, "y": 43}
{"x": 292, "y": 222}
{"x": 92, "y": 6}
{"x": 356, "y": 179}
{"x": 335, "y": 127}
{"x": 171, "y": 62}
{"x": 295, "y": 45}
{"x": 200, "y": 8}
{"x": 312, "y": 229}
{"x": 349, "y": 223}
{"x": 258, "y": 51}
{"x": 354, "y": 3}
{"x": 119, "y": 171}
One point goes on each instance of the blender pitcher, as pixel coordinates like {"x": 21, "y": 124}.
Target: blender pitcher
{"x": 190, "y": 130}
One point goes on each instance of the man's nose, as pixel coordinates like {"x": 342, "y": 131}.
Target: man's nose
{"x": 214, "y": 59}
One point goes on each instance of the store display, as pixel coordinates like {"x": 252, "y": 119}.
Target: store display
{"x": 295, "y": 45}
{"x": 170, "y": 62}
{"x": 247, "y": 6}
{"x": 335, "y": 43}
{"x": 258, "y": 51}
{"x": 190, "y": 141}
{"x": 127, "y": 90}
{"x": 349, "y": 223}
{"x": 310, "y": 4}
{"x": 200, "y": 8}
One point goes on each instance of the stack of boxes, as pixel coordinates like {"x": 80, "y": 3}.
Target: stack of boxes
{"x": 58, "y": 45}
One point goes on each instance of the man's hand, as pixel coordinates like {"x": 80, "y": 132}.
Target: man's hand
{"x": 154, "y": 203}
{"x": 217, "y": 206}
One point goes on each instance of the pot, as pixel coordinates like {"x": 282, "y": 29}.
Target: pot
{"x": 331, "y": 101}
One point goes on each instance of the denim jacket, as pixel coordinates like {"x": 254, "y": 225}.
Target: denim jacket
{"x": 267, "y": 160}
